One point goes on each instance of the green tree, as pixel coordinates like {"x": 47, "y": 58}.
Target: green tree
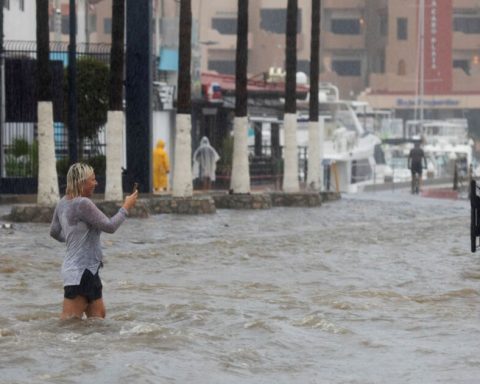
{"x": 92, "y": 95}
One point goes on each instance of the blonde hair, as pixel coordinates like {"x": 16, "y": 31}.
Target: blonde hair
{"x": 77, "y": 174}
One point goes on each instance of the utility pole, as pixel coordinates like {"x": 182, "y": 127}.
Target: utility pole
{"x": 72, "y": 87}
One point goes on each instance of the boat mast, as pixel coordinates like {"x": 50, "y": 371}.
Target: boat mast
{"x": 422, "y": 57}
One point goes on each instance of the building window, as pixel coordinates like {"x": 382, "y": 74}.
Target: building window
{"x": 275, "y": 20}
{"x": 345, "y": 26}
{"x": 222, "y": 66}
{"x": 468, "y": 25}
{"x": 65, "y": 24}
{"x": 402, "y": 24}
{"x": 92, "y": 23}
{"x": 347, "y": 67}
{"x": 303, "y": 66}
{"x": 463, "y": 65}
{"x": 6, "y": 4}
{"x": 107, "y": 25}
{"x": 21, "y": 5}
{"x": 225, "y": 26}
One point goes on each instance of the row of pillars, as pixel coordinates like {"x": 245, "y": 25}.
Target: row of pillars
{"x": 138, "y": 90}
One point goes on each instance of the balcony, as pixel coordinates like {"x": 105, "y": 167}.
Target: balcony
{"x": 389, "y": 82}
{"x": 343, "y": 42}
{"x": 222, "y": 42}
{"x": 467, "y": 42}
{"x": 344, "y": 4}
{"x": 466, "y": 83}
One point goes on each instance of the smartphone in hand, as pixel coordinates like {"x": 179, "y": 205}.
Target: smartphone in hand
{"x": 135, "y": 187}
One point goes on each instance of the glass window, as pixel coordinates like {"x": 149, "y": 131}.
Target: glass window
{"x": 107, "y": 25}
{"x": 462, "y": 64}
{"x": 345, "y": 26}
{"x": 222, "y": 66}
{"x": 6, "y": 4}
{"x": 402, "y": 24}
{"x": 303, "y": 66}
{"x": 225, "y": 26}
{"x": 347, "y": 67}
{"x": 470, "y": 25}
{"x": 275, "y": 20}
{"x": 92, "y": 23}
{"x": 65, "y": 24}
{"x": 21, "y": 5}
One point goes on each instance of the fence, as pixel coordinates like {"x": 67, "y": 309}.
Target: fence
{"x": 18, "y": 139}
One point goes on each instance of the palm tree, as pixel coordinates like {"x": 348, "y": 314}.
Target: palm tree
{"x": 115, "y": 122}
{"x": 290, "y": 173}
{"x": 240, "y": 182}
{"x": 315, "y": 133}
{"x": 182, "y": 172}
{"x": 47, "y": 172}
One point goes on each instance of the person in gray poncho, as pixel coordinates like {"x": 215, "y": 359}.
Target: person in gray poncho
{"x": 205, "y": 163}
{"x": 78, "y": 223}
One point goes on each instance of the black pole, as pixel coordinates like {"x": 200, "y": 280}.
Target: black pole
{"x": 72, "y": 87}
{"x": 138, "y": 93}
{"x": 2, "y": 85}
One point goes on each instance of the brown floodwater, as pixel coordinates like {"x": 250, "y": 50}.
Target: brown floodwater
{"x": 374, "y": 288}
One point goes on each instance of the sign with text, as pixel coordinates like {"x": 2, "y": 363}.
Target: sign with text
{"x": 438, "y": 46}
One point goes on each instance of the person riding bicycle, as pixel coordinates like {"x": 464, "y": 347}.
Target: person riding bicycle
{"x": 416, "y": 163}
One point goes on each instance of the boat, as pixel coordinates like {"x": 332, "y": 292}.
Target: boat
{"x": 356, "y": 155}
{"x": 445, "y": 143}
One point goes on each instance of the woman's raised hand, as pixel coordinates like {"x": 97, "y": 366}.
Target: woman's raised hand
{"x": 130, "y": 200}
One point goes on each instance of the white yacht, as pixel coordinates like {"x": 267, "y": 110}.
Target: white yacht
{"x": 353, "y": 155}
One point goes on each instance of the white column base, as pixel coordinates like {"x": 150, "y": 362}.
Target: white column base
{"x": 182, "y": 161}
{"x": 240, "y": 181}
{"x": 114, "y": 154}
{"x": 313, "y": 179}
{"x": 290, "y": 170}
{"x": 47, "y": 164}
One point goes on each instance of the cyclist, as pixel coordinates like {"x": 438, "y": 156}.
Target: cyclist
{"x": 415, "y": 160}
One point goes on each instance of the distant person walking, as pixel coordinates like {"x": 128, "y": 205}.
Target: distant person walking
{"x": 205, "y": 160}
{"x": 79, "y": 223}
{"x": 416, "y": 163}
{"x": 161, "y": 167}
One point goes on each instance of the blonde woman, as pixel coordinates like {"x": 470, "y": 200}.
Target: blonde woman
{"x": 79, "y": 223}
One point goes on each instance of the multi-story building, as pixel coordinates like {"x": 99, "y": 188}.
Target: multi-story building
{"x": 370, "y": 49}
{"x": 435, "y": 67}
{"x": 19, "y": 13}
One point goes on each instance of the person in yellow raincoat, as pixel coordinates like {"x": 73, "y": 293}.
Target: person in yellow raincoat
{"x": 161, "y": 167}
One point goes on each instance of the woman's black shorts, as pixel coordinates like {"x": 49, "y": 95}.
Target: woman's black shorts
{"x": 90, "y": 287}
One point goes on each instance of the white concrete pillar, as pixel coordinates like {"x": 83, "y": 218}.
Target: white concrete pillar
{"x": 290, "y": 170}
{"x": 240, "y": 181}
{"x": 313, "y": 156}
{"x": 182, "y": 171}
{"x": 114, "y": 154}
{"x": 48, "y": 193}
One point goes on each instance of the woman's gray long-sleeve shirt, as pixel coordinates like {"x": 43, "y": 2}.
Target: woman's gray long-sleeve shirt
{"x": 79, "y": 223}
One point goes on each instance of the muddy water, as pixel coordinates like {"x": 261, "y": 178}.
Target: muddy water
{"x": 374, "y": 288}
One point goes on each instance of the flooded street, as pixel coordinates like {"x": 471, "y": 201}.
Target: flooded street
{"x": 374, "y": 288}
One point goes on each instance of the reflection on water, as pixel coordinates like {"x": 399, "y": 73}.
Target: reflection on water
{"x": 374, "y": 288}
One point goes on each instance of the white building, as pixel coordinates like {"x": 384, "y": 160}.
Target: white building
{"x": 19, "y": 20}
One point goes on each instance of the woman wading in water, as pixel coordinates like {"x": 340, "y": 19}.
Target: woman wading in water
{"x": 79, "y": 223}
